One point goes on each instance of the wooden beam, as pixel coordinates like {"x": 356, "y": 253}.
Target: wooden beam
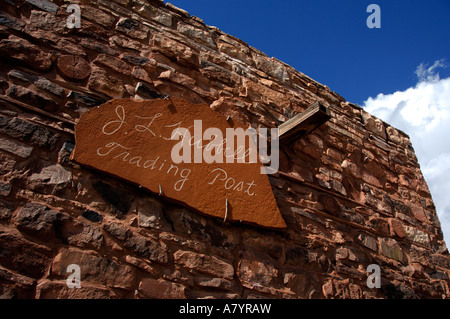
{"x": 304, "y": 123}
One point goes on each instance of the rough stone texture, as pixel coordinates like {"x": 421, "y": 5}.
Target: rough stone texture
{"x": 160, "y": 289}
{"x": 351, "y": 193}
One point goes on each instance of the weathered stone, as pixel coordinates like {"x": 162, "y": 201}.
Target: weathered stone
{"x": 80, "y": 234}
{"x": 254, "y": 273}
{"x": 379, "y": 224}
{"x": 5, "y": 189}
{"x": 15, "y": 286}
{"x": 397, "y": 228}
{"x": 140, "y": 245}
{"x": 94, "y": 269}
{"x": 23, "y": 256}
{"x": 137, "y": 60}
{"x": 28, "y": 132}
{"x": 22, "y": 50}
{"x": 155, "y": 14}
{"x": 85, "y": 99}
{"x": 113, "y": 63}
{"x": 65, "y": 151}
{"x": 393, "y": 135}
{"x": 178, "y": 51}
{"x": 52, "y": 175}
{"x": 150, "y": 213}
{"x": 98, "y": 16}
{"x": 271, "y": 66}
{"x": 73, "y": 67}
{"x": 11, "y": 22}
{"x": 44, "y": 21}
{"x": 15, "y": 148}
{"x": 132, "y": 28}
{"x": 330, "y": 205}
{"x": 70, "y": 47}
{"x": 391, "y": 249}
{"x": 205, "y": 264}
{"x": 369, "y": 242}
{"x": 7, "y": 164}
{"x": 37, "y": 220}
{"x": 97, "y": 46}
{"x": 201, "y": 35}
{"x": 125, "y": 42}
{"x": 142, "y": 265}
{"x": 31, "y": 97}
{"x": 218, "y": 283}
{"x": 5, "y": 211}
{"x": 346, "y": 253}
{"x": 235, "y": 49}
{"x": 38, "y": 81}
{"x": 417, "y": 235}
{"x": 193, "y": 226}
{"x": 161, "y": 289}
{"x": 373, "y": 124}
{"x": 58, "y": 290}
{"x": 102, "y": 82}
{"x": 178, "y": 10}
{"x": 352, "y": 187}
{"x": 44, "y": 5}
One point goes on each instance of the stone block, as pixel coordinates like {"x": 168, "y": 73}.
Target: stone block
{"x": 11, "y": 22}
{"x": 254, "y": 273}
{"x": 132, "y": 28}
{"x": 102, "y": 82}
{"x": 55, "y": 175}
{"x": 98, "y": 16}
{"x": 206, "y": 264}
{"x": 140, "y": 245}
{"x": 38, "y": 81}
{"x": 28, "y": 132}
{"x": 94, "y": 269}
{"x": 196, "y": 33}
{"x": 416, "y": 235}
{"x": 161, "y": 289}
{"x": 113, "y": 63}
{"x": 391, "y": 249}
{"x": 23, "y": 256}
{"x": 37, "y": 220}
{"x": 58, "y": 290}
{"x": 15, "y": 148}
{"x": 26, "y": 52}
{"x": 32, "y": 97}
{"x": 80, "y": 234}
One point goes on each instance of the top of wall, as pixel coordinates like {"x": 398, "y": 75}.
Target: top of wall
{"x": 351, "y": 193}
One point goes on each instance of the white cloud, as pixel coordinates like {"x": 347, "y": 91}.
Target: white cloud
{"x": 423, "y": 112}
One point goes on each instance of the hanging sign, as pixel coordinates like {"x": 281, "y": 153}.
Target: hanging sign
{"x": 183, "y": 151}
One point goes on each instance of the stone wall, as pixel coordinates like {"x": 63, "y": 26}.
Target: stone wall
{"x": 351, "y": 193}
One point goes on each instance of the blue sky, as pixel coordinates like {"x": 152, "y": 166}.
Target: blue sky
{"x": 329, "y": 41}
{"x": 400, "y": 72}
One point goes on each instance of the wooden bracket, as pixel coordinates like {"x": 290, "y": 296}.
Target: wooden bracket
{"x": 304, "y": 123}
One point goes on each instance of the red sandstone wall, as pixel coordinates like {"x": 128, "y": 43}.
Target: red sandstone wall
{"x": 352, "y": 193}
